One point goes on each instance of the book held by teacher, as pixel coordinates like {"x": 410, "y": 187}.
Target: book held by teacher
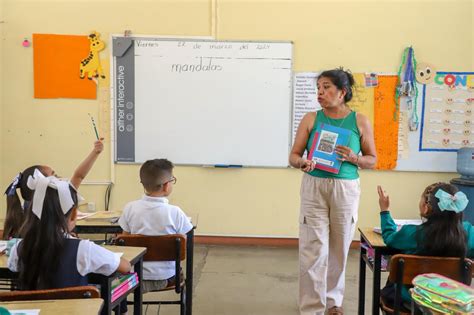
{"x": 323, "y": 147}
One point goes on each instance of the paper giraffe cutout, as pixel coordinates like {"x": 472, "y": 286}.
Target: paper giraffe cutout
{"x": 91, "y": 65}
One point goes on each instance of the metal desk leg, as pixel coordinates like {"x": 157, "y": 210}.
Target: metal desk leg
{"x": 105, "y": 289}
{"x": 376, "y": 286}
{"x": 362, "y": 270}
{"x": 189, "y": 271}
{"x": 138, "y": 294}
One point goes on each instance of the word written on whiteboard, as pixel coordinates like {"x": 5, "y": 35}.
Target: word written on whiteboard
{"x": 202, "y": 66}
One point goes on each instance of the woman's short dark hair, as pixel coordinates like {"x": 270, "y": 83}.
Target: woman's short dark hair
{"x": 342, "y": 79}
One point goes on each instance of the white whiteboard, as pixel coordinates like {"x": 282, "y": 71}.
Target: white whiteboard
{"x": 202, "y": 102}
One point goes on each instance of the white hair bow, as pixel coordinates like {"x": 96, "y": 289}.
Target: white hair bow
{"x": 39, "y": 183}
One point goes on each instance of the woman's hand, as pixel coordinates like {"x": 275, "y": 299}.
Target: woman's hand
{"x": 306, "y": 165}
{"x": 346, "y": 154}
{"x": 384, "y": 199}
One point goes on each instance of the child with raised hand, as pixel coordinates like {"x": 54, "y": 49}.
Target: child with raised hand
{"x": 442, "y": 233}
{"x": 48, "y": 256}
{"x": 15, "y": 215}
{"x": 153, "y": 215}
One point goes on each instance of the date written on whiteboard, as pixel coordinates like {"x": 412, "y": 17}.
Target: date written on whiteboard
{"x": 263, "y": 46}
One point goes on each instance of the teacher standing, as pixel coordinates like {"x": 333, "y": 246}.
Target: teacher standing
{"x": 329, "y": 202}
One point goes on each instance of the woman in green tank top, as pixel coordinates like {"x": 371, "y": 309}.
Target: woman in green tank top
{"x": 329, "y": 201}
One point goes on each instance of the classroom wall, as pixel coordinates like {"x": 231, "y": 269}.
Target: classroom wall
{"x": 359, "y": 35}
{"x": 1, "y": 93}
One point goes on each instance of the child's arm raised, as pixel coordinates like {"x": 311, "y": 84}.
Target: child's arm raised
{"x": 384, "y": 200}
{"x": 83, "y": 169}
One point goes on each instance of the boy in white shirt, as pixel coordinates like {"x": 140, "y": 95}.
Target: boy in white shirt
{"x": 153, "y": 215}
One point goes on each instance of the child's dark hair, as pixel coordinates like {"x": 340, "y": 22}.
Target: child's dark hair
{"x": 443, "y": 232}
{"x": 43, "y": 241}
{"x": 154, "y": 173}
{"x": 15, "y": 215}
{"x": 342, "y": 79}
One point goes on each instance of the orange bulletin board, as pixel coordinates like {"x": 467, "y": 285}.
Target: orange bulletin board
{"x": 385, "y": 124}
{"x": 56, "y": 61}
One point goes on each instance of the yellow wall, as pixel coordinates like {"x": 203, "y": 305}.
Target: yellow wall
{"x": 360, "y": 35}
{"x": 1, "y": 95}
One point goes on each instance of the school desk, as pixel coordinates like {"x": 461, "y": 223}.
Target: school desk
{"x": 133, "y": 254}
{"x": 105, "y": 222}
{"x": 375, "y": 241}
{"x": 53, "y": 307}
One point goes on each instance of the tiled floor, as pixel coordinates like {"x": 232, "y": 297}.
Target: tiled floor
{"x": 244, "y": 280}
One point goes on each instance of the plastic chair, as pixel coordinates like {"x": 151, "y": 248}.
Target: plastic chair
{"x": 403, "y": 268}
{"x": 80, "y": 292}
{"x": 170, "y": 247}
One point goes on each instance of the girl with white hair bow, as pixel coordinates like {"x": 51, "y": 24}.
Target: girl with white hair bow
{"x": 48, "y": 256}
{"x": 15, "y": 215}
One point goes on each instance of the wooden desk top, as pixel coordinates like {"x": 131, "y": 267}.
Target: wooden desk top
{"x": 101, "y": 218}
{"x": 372, "y": 238}
{"x": 53, "y": 307}
{"x": 132, "y": 254}
{"x": 3, "y": 261}
{"x": 107, "y": 218}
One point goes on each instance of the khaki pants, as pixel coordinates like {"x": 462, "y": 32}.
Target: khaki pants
{"x": 328, "y": 216}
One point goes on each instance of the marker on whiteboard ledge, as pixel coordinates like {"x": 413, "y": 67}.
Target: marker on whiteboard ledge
{"x": 227, "y": 166}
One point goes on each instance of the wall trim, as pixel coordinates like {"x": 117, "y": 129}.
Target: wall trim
{"x": 253, "y": 241}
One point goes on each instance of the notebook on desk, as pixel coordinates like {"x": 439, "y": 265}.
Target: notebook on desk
{"x": 400, "y": 223}
{"x": 106, "y": 216}
{"x": 82, "y": 215}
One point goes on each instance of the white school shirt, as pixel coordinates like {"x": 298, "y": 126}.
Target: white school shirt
{"x": 91, "y": 258}
{"x": 155, "y": 216}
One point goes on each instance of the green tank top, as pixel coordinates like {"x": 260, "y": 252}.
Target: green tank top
{"x": 347, "y": 170}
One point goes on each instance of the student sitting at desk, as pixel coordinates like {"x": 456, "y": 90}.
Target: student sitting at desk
{"x": 153, "y": 215}
{"x": 443, "y": 232}
{"x": 49, "y": 257}
{"x": 16, "y": 212}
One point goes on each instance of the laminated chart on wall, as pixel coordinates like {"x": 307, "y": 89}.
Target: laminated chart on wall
{"x": 56, "y": 60}
{"x": 414, "y": 158}
{"x": 305, "y": 98}
{"x": 447, "y": 117}
{"x": 363, "y": 97}
{"x": 385, "y": 126}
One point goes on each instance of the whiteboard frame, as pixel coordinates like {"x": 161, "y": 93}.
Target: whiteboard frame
{"x": 113, "y": 137}
{"x": 113, "y": 140}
